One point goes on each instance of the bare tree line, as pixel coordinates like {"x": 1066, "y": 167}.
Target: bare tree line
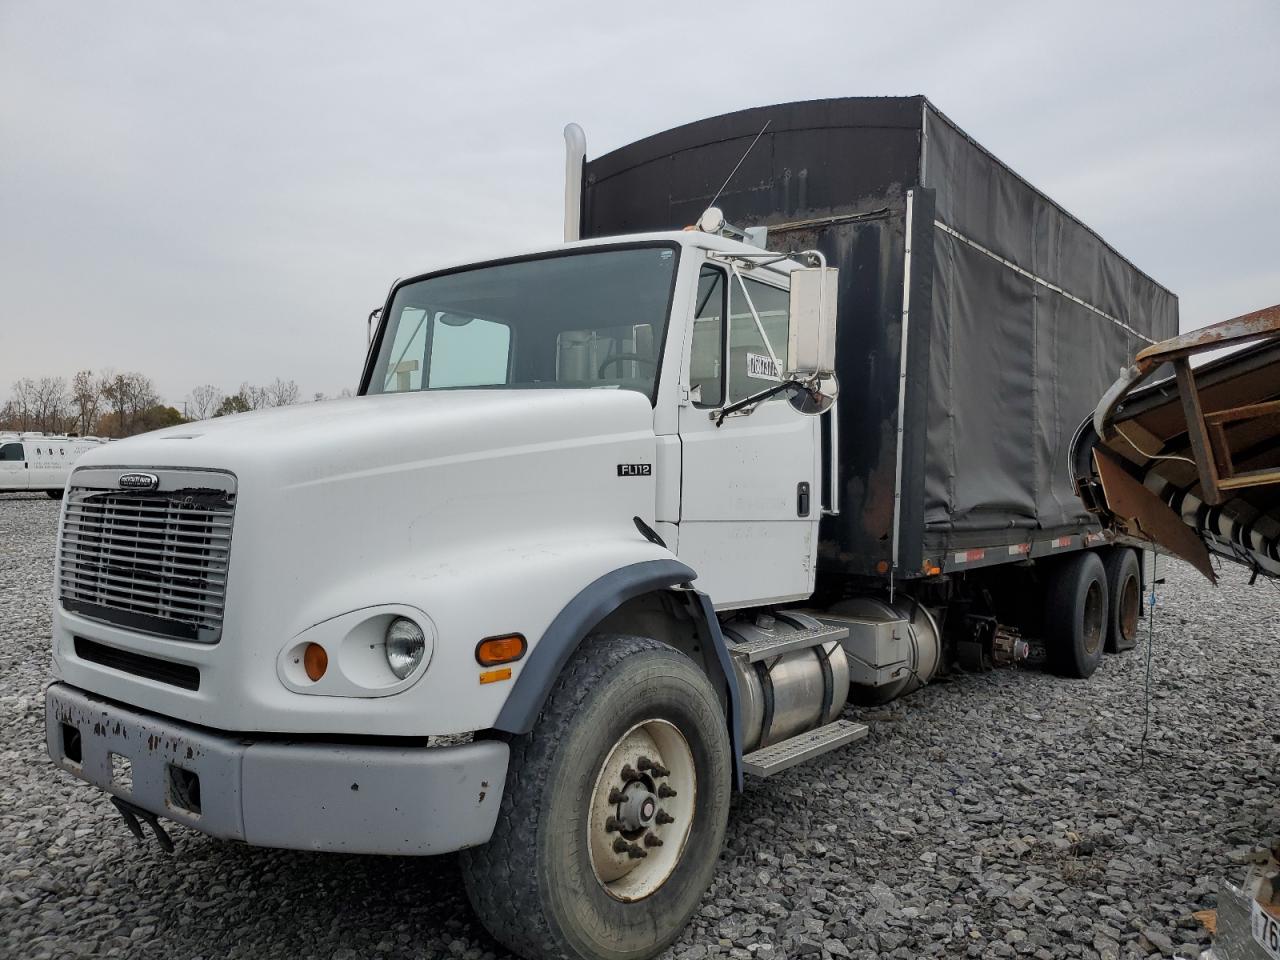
{"x": 113, "y": 404}
{"x": 107, "y": 404}
{"x": 207, "y": 401}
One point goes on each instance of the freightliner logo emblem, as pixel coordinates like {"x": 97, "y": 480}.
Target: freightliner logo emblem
{"x": 139, "y": 481}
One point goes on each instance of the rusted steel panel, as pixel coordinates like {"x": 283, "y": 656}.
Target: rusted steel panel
{"x": 1196, "y": 458}
{"x": 1147, "y": 516}
{"x": 1197, "y": 433}
{"x": 1258, "y": 325}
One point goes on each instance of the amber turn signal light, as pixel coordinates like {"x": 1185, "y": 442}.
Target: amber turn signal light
{"x": 508, "y": 648}
{"x": 315, "y": 661}
{"x": 495, "y": 676}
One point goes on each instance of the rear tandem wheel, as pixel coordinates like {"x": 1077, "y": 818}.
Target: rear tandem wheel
{"x": 1076, "y": 614}
{"x": 1124, "y": 588}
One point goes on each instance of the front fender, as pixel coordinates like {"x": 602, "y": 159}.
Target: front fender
{"x": 587, "y": 608}
{"x": 590, "y": 606}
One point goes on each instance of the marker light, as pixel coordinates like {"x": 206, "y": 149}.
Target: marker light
{"x": 505, "y": 649}
{"x": 405, "y": 646}
{"x": 315, "y": 661}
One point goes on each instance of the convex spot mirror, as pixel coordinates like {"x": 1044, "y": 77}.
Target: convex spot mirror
{"x": 817, "y": 398}
{"x": 812, "y": 326}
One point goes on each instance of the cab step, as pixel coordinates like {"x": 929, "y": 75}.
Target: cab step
{"x": 768, "y": 647}
{"x": 803, "y": 746}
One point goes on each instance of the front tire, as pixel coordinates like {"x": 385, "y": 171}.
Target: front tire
{"x": 54, "y": 494}
{"x": 561, "y": 877}
{"x": 1076, "y": 611}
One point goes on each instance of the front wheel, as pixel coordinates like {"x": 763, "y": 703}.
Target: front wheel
{"x": 614, "y": 810}
{"x": 54, "y": 494}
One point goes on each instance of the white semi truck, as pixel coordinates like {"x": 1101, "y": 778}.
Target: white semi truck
{"x": 614, "y": 525}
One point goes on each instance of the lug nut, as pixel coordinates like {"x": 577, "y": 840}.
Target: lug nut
{"x": 660, "y": 771}
{"x": 651, "y": 841}
{"x": 664, "y": 791}
{"x": 635, "y": 852}
{"x": 612, "y": 825}
{"x": 629, "y": 773}
{"x": 616, "y": 795}
{"x": 621, "y": 846}
{"x": 644, "y": 763}
{"x": 663, "y": 817}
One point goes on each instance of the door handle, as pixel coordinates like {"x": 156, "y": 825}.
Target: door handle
{"x": 802, "y": 498}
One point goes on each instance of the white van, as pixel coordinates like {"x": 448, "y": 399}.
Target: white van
{"x": 38, "y": 461}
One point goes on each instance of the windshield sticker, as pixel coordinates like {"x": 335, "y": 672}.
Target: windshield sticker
{"x": 763, "y": 368}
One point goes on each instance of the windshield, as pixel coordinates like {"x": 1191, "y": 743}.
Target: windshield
{"x": 596, "y": 318}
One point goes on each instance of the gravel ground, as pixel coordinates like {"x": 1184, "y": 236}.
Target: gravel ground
{"x": 1005, "y": 814}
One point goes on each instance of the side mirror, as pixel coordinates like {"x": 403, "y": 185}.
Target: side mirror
{"x": 811, "y": 329}
{"x": 369, "y": 324}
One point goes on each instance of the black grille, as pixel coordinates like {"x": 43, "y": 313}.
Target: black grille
{"x": 164, "y": 671}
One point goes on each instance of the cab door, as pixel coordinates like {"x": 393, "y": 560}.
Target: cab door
{"x": 749, "y": 503}
{"x": 14, "y": 473}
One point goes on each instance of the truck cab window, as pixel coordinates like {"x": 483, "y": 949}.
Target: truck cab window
{"x": 606, "y": 354}
{"x": 468, "y": 351}
{"x": 706, "y": 356}
{"x": 408, "y": 352}
{"x": 587, "y": 319}
{"x": 751, "y": 369}
{"x": 11, "y": 451}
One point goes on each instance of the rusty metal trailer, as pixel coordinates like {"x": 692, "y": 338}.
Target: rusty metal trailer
{"x": 1190, "y": 463}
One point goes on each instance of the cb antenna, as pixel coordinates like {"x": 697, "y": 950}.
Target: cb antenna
{"x": 739, "y": 163}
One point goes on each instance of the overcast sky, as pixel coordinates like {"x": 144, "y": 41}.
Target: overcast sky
{"x": 220, "y": 192}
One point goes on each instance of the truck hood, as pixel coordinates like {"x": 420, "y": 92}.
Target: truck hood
{"x": 365, "y": 435}
{"x": 1191, "y": 463}
{"x": 480, "y": 513}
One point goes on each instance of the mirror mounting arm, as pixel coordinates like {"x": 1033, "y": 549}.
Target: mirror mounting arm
{"x": 764, "y": 336}
{"x": 749, "y": 404}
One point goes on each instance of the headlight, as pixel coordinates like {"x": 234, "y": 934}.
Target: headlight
{"x": 405, "y": 646}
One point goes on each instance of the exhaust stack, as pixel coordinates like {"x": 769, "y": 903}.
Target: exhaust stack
{"x": 575, "y": 155}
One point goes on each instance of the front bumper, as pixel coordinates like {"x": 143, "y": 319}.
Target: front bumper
{"x": 352, "y": 798}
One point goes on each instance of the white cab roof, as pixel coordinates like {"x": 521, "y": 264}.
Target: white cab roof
{"x": 686, "y": 238}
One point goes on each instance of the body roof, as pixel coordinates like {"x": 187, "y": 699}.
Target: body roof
{"x": 901, "y": 112}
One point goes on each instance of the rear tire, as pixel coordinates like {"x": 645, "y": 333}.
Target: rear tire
{"x": 541, "y": 884}
{"x": 1124, "y": 588}
{"x": 1076, "y": 612}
